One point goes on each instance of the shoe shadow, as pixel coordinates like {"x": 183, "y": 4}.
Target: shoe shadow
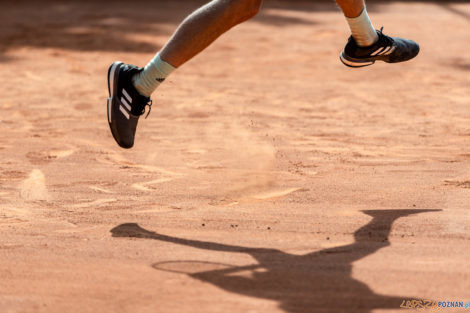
{"x": 320, "y": 281}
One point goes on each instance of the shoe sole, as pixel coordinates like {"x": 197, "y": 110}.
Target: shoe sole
{"x": 112, "y": 87}
{"x": 112, "y": 81}
{"x": 352, "y": 62}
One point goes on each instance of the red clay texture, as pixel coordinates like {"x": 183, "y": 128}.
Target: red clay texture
{"x": 269, "y": 177}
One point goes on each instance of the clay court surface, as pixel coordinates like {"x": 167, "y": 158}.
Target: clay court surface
{"x": 268, "y": 177}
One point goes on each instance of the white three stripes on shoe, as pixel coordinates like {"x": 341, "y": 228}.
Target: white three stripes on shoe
{"x": 124, "y": 92}
{"x": 128, "y": 107}
{"x": 377, "y": 51}
{"x": 389, "y": 51}
{"x": 125, "y": 103}
{"x": 383, "y": 51}
{"x": 123, "y": 111}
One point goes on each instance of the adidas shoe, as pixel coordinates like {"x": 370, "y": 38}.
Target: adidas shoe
{"x": 125, "y": 103}
{"x": 387, "y": 49}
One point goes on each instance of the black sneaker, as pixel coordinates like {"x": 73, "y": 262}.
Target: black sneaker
{"x": 125, "y": 103}
{"x": 387, "y": 49}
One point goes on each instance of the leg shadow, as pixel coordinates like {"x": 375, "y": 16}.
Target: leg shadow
{"x": 320, "y": 281}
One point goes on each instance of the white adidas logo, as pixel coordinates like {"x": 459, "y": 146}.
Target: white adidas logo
{"x": 126, "y": 104}
{"x": 383, "y": 51}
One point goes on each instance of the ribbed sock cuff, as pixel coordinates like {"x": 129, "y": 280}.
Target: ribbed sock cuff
{"x": 154, "y": 73}
{"x": 362, "y": 30}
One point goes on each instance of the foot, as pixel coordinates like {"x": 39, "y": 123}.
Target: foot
{"x": 387, "y": 49}
{"x": 125, "y": 104}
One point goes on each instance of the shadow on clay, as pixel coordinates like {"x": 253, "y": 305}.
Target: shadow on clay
{"x": 319, "y": 281}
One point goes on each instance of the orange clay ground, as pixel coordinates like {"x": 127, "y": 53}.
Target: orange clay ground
{"x": 268, "y": 178}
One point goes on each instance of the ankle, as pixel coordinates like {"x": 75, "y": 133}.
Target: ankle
{"x": 362, "y": 30}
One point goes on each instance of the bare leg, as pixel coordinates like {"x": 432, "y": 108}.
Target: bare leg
{"x": 196, "y": 33}
{"x": 204, "y": 26}
{"x": 351, "y": 8}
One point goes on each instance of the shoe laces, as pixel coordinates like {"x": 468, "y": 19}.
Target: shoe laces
{"x": 149, "y": 104}
{"x": 386, "y": 38}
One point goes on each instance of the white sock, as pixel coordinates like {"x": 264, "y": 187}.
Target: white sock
{"x": 154, "y": 73}
{"x": 362, "y": 30}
